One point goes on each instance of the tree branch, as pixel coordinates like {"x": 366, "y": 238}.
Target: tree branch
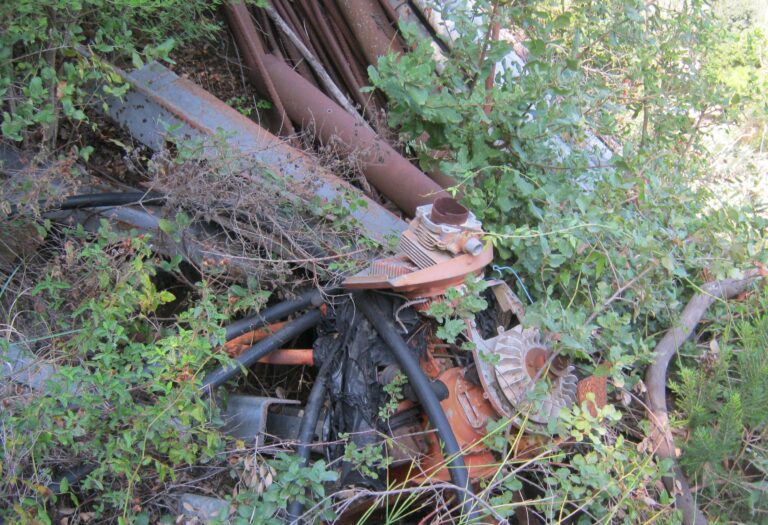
{"x": 656, "y": 382}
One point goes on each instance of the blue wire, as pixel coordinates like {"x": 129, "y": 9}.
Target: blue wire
{"x": 498, "y": 269}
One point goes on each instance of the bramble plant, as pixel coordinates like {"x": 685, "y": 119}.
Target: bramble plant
{"x": 608, "y": 239}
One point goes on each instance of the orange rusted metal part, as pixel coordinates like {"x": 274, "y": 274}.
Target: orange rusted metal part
{"x": 468, "y": 412}
{"x": 290, "y": 356}
{"x": 597, "y": 385}
{"x": 287, "y": 356}
{"x": 388, "y": 171}
{"x": 428, "y": 363}
{"x": 238, "y": 345}
{"x": 428, "y": 282}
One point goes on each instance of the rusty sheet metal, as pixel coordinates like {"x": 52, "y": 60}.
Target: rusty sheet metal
{"x": 402, "y": 182}
{"x": 596, "y": 385}
{"x": 428, "y": 282}
{"x": 161, "y": 105}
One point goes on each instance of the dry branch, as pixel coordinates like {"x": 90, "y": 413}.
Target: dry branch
{"x": 656, "y": 381}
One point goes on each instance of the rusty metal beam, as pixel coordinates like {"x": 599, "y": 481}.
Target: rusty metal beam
{"x": 161, "y": 105}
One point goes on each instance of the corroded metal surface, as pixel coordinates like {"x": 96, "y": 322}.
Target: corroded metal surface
{"x": 596, "y": 385}
{"x": 388, "y": 171}
{"x": 161, "y": 105}
{"x": 372, "y": 28}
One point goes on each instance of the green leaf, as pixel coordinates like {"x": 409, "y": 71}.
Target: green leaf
{"x": 166, "y": 226}
{"x": 136, "y": 60}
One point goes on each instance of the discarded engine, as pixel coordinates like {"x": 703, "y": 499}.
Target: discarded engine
{"x": 441, "y": 246}
{"x": 356, "y": 350}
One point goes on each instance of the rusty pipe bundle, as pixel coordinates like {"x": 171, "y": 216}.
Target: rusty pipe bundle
{"x": 392, "y": 174}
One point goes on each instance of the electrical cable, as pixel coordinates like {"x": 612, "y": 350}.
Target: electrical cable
{"x": 99, "y": 200}
{"x": 429, "y": 401}
{"x": 307, "y": 429}
{"x": 498, "y": 269}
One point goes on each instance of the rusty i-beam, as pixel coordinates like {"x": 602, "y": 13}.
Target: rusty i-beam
{"x": 161, "y": 105}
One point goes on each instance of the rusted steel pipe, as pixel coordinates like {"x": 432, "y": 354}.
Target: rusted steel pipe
{"x": 398, "y": 179}
{"x": 247, "y": 38}
{"x": 343, "y": 29}
{"x": 265, "y": 27}
{"x": 286, "y": 356}
{"x": 286, "y": 11}
{"x": 290, "y": 357}
{"x": 283, "y": 48}
{"x": 391, "y": 13}
{"x": 340, "y": 60}
{"x": 371, "y": 26}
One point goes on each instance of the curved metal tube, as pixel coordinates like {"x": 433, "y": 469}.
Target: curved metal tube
{"x": 264, "y": 347}
{"x": 429, "y": 401}
{"x": 307, "y": 429}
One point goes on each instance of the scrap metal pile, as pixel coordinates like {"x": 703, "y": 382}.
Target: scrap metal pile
{"x": 310, "y": 59}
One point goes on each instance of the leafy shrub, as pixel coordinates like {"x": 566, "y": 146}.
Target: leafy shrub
{"x": 291, "y": 481}
{"x": 45, "y": 76}
{"x": 123, "y": 402}
{"x": 605, "y": 245}
{"x": 608, "y": 240}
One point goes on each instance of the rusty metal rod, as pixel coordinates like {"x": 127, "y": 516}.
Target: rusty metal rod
{"x": 370, "y": 25}
{"x": 285, "y": 50}
{"x": 291, "y": 357}
{"x": 315, "y": 41}
{"x": 344, "y": 30}
{"x": 287, "y": 12}
{"x": 352, "y": 51}
{"x": 246, "y": 36}
{"x": 398, "y": 179}
{"x": 261, "y": 349}
{"x": 325, "y": 79}
{"x": 392, "y": 15}
{"x": 265, "y": 26}
{"x": 340, "y": 60}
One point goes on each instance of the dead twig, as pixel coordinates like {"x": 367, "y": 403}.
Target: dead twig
{"x": 656, "y": 382}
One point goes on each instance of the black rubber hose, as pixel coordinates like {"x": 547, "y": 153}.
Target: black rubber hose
{"x": 274, "y": 313}
{"x": 429, "y": 401}
{"x": 99, "y": 200}
{"x": 264, "y": 347}
{"x": 307, "y": 429}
